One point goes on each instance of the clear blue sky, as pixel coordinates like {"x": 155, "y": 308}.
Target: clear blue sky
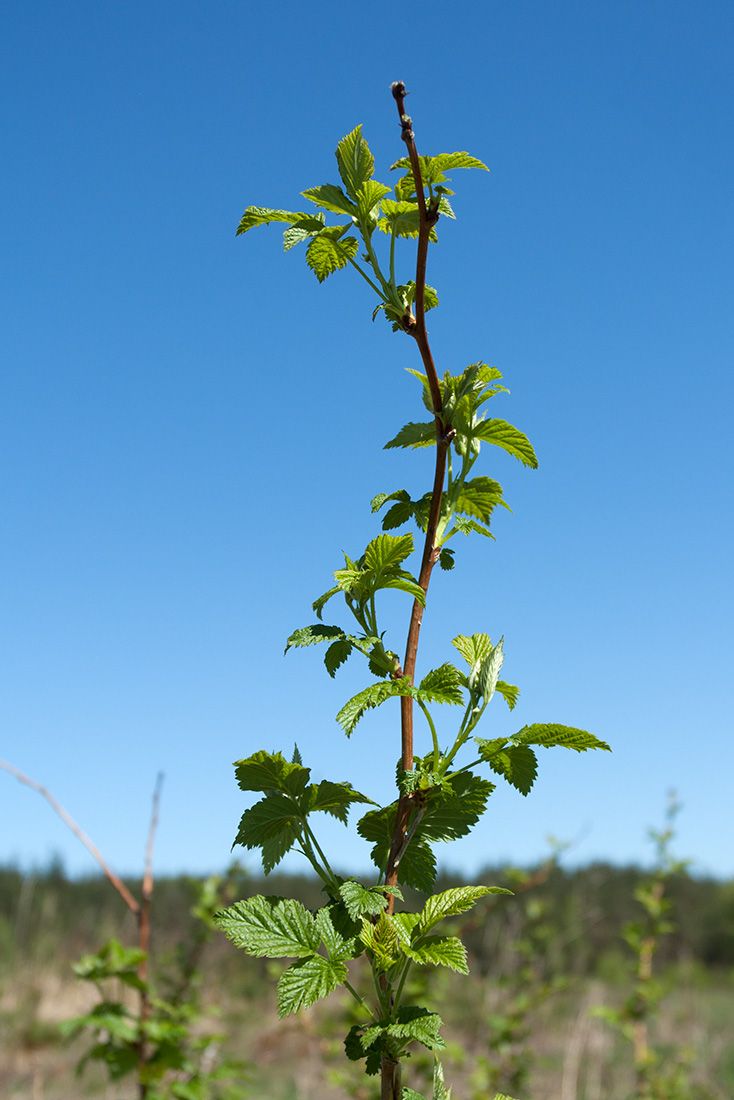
{"x": 191, "y": 425}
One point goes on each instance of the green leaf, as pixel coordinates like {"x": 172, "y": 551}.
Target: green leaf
{"x": 355, "y": 161}
{"x": 430, "y": 296}
{"x": 411, "y": 1025}
{"x": 474, "y": 649}
{"x": 306, "y": 981}
{"x": 446, "y": 558}
{"x": 331, "y": 198}
{"x": 312, "y": 635}
{"x": 453, "y": 810}
{"x": 372, "y": 696}
{"x": 271, "y": 825}
{"x": 381, "y": 939}
{"x": 479, "y": 497}
{"x": 414, "y": 435}
{"x": 339, "y": 949}
{"x": 266, "y": 771}
{"x": 270, "y": 927}
{"x": 417, "y": 866}
{"x": 360, "y": 901}
{"x": 397, "y": 515}
{"x": 450, "y": 903}
{"x": 294, "y": 236}
{"x": 442, "y": 685}
{"x": 509, "y": 692}
{"x": 326, "y": 254}
{"x": 333, "y": 798}
{"x": 504, "y": 435}
{"x": 370, "y": 194}
{"x": 433, "y": 167}
{"x": 261, "y": 215}
{"x": 440, "y": 951}
{"x": 550, "y": 735}
{"x": 517, "y": 763}
{"x": 388, "y": 552}
{"x": 337, "y": 654}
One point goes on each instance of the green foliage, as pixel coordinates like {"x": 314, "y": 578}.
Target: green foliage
{"x": 438, "y": 799}
{"x": 161, "y": 1041}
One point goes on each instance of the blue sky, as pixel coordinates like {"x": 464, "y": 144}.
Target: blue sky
{"x": 192, "y": 426}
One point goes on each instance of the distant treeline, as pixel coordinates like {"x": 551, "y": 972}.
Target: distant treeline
{"x": 46, "y": 917}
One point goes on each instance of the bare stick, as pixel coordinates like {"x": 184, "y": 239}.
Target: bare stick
{"x": 144, "y": 933}
{"x": 118, "y": 884}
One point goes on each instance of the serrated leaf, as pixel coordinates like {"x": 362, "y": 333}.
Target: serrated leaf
{"x": 446, "y": 558}
{"x": 307, "y": 981}
{"x": 355, "y": 161}
{"x": 270, "y": 927}
{"x": 430, "y": 294}
{"x": 489, "y": 671}
{"x": 325, "y": 254}
{"x": 332, "y": 798}
{"x": 338, "y": 948}
{"x": 550, "y": 735}
{"x": 440, "y": 951}
{"x": 479, "y": 497}
{"x": 442, "y": 685}
{"x": 263, "y": 215}
{"x": 312, "y": 635}
{"x": 411, "y": 1025}
{"x": 360, "y": 901}
{"x": 337, "y": 653}
{"x": 268, "y": 771}
{"x": 372, "y": 696}
{"x": 293, "y": 236}
{"x": 414, "y": 435}
{"x": 509, "y": 692}
{"x": 388, "y": 552}
{"x": 370, "y": 194}
{"x": 510, "y": 439}
{"x": 381, "y": 939}
{"x": 450, "y": 903}
{"x": 397, "y": 515}
{"x": 518, "y": 764}
{"x": 270, "y": 825}
{"x": 332, "y": 198}
{"x": 417, "y": 866}
{"x": 454, "y": 809}
{"x": 474, "y": 649}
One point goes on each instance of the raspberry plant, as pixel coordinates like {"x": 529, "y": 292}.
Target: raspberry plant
{"x": 443, "y": 789}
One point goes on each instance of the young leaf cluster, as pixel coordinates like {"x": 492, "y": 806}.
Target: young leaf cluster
{"x": 363, "y": 208}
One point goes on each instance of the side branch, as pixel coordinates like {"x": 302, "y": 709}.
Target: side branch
{"x": 118, "y": 884}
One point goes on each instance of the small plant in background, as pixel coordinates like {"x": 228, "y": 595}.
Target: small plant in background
{"x": 523, "y": 982}
{"x": 162, "y": 1043}
{"x": 660, "y": 1073}
{"x": 440, "y": 793}
{"x": 181, "y": 1057}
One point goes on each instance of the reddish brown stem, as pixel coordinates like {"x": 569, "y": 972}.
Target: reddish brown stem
{"x": 428, "y": 218}
{"x": 68, "y": 820}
